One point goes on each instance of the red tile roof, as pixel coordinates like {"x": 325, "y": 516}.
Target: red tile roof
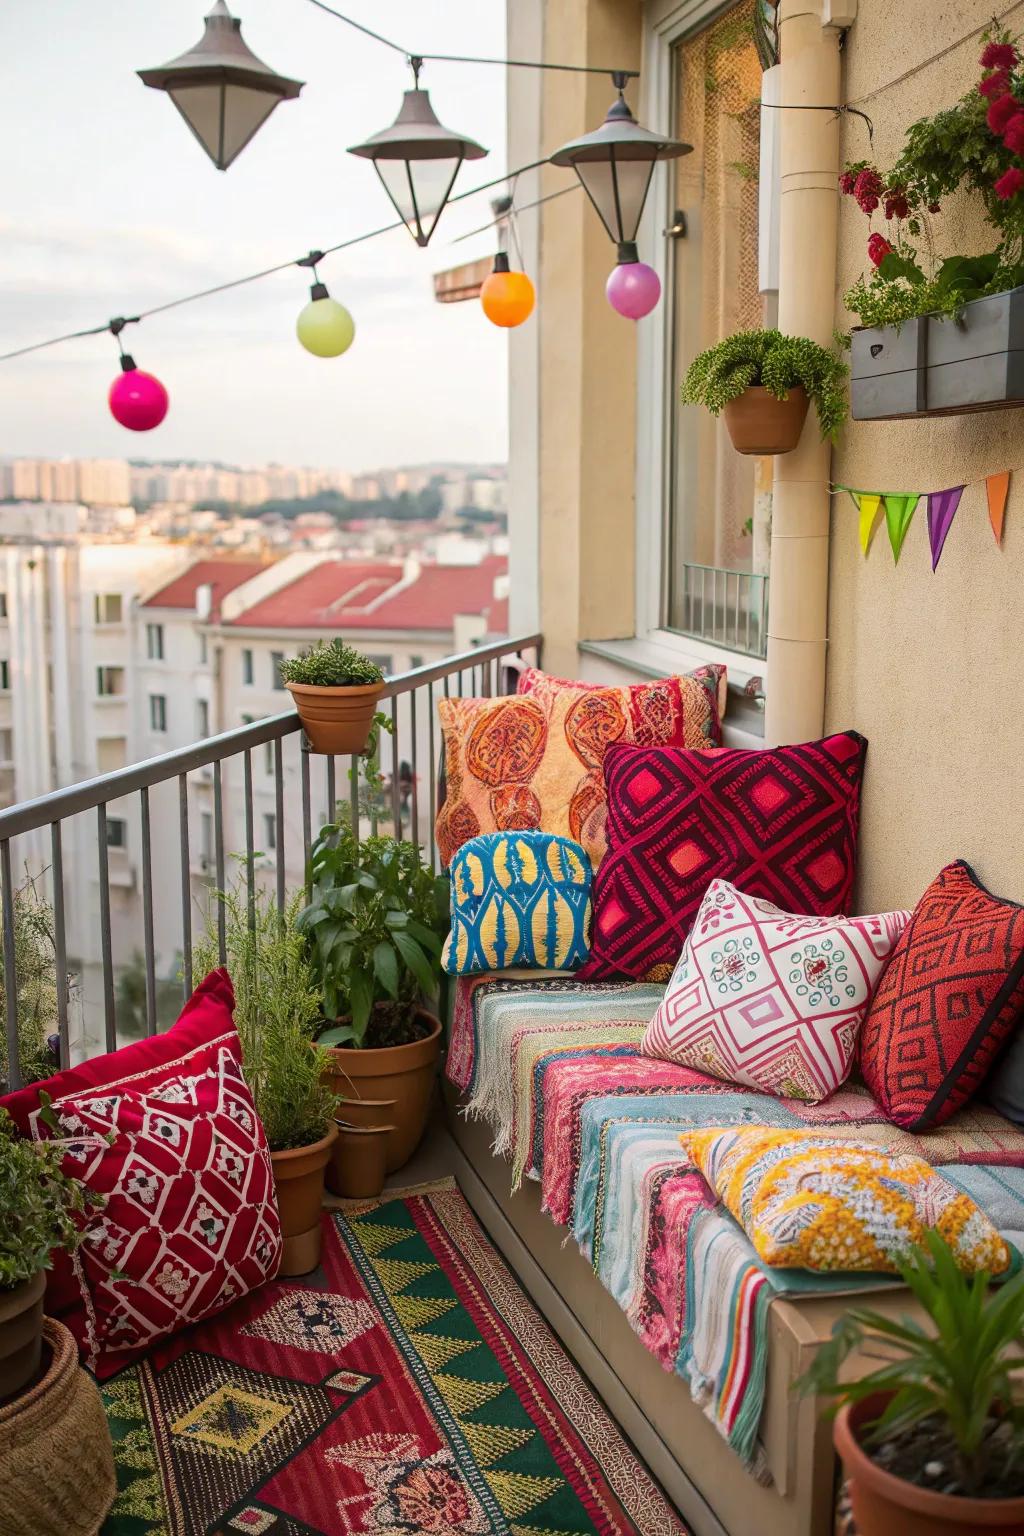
{"x": 346, "y": 595}
{"x": 222, "y": 575}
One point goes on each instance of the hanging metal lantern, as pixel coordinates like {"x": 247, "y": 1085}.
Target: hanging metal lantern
{"x": 417, "y": 160}
{"x": 615, "y": 164}
{"x": 222, "y": 90}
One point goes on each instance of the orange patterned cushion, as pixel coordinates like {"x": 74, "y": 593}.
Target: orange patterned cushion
{"x": 534, "y": 760}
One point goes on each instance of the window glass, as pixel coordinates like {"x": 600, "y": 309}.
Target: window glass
{"x": 155, "y": 642}
{"x": 247, "y": 667}
{"x": 109, "y": 681}
{"x": 269, "y": 832}
{"x": 117, "y": 832}
{"x": 157, "y": 712}
{"x": 718, "y": 517}
{"x": 202, "y": 718}
{"x": 107, "y": 607}
{"x": 276, "y": 658}
{"x": 5, "y": 674}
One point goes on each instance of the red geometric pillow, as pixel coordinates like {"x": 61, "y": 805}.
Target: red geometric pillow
{"x": 949, "y": 997}
{"x": 190, "y": 1220}
{"x": 780, "y": 824}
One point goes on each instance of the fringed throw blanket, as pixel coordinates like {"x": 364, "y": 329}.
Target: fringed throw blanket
{"x": 555, "y": 1069}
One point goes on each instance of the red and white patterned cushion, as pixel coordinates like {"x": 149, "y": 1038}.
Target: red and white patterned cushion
{"x": 190, "y": 1221}
{"x": 771, "y": 999}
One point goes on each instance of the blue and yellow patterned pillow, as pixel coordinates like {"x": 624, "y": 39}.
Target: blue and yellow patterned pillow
{"x": 518, "y": 899}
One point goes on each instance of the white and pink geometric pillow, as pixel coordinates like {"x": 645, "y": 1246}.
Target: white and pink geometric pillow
{"x": 769, "y": 999}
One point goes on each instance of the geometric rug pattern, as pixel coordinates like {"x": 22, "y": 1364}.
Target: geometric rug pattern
{"x": 406, "y": 1386}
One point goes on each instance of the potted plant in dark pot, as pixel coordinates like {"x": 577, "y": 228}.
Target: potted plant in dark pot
{"x": 375, "y": 927}
{"x": 277, "y": 1006}
{"x": 932, "y": 1441}
{"x": 763, "y": 383}
{"x": 335, "y": 689}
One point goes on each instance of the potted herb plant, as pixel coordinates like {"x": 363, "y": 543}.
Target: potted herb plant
{"x": 277, "y": 1006}
{"x": 41, "y": 1210}
{"x": 763, "y": 382}
{"x": 35, "y": 963}
{"x": 375, "y": 928}
{"x": 932, "y": 1440}
{"x": 335, "y": 689}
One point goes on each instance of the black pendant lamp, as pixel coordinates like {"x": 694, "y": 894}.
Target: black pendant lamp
{"x": 417, "y": 160}
{"x": 222, "y": 90}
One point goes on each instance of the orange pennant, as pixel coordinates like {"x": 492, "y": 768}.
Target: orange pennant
{"x": 996, "y": 487}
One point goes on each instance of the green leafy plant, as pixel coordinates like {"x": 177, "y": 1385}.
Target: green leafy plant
{"x": 331, "y": 664}
{"x": 35, "y": 964}
{"x": 375, "y": 928}
{"x": 778, "y": 363}
{"x": 954, "y": 1379}
{"x": 41, "y": 1207}
{"x": 277, "y": 1008}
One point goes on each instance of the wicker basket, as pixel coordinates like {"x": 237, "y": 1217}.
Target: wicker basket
{"x": 56, "y": 1460}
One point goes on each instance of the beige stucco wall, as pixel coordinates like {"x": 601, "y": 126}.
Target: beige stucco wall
{"x": 928, "y": 667}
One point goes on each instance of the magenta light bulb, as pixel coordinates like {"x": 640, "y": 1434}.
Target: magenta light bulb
{"x": 633, "y": 288}
{"x": 137, "y": 400}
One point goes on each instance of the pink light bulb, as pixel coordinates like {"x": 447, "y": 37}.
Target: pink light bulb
{"x": 137, "y": 400}
{"x": 633, "y": 289}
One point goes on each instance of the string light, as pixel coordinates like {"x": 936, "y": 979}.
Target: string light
{"x": 137, "y": 400}
{"x": 324, "y": 327}
{"x": 507, "y": 297}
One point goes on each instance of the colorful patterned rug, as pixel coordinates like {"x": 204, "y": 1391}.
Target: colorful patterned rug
{"x": 407, "y": 1386}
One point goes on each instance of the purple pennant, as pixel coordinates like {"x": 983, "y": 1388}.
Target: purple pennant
{"x": 942, "y": 507}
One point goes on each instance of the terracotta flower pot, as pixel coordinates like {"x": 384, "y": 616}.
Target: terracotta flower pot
{"x": 336, "y": 720}
{"x": 884, "y": 1505}
{"x": 359, "y": 1115}
{"x": 359, "y": 1160}
{"x": 299, "y": 1183}
{"x": 403, "y": 1073}
{"x": 21, "y": 1334}
{"x": 56, "y": 1459}
{"x": 759, "y": 423}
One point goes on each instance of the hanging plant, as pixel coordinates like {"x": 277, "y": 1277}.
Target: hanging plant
{"x": 763, "y": 382}
{"x": 977, "y": 146}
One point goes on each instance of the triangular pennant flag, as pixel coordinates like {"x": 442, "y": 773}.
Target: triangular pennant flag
{"x": 899, "y": 509}
{"x": 942, "y": 507}
{"x": 996, "y": 487}
{"x": 869, "y": 505}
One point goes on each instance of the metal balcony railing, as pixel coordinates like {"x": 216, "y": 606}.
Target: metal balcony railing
{"x": 210, "y": 769}
{"x": 727, "y": 608}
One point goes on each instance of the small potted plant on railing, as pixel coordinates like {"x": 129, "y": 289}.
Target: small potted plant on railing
{"x": 277, "y": 1006}
{"x": 763, "y": 383}
{"x": 335, "y": 689}
{"x": 42, "y": 1209}
{"x": 375, "y": 928}
{"x": 933, "y": 1439}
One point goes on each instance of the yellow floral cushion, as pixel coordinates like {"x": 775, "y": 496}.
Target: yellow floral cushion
{"x": 808, "y": 1201}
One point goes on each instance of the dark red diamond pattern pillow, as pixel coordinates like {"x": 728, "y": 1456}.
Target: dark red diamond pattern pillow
{"x": 780, "y": 824}
{"x": 950, "y": 996}
{"x": 190, "y": 1220}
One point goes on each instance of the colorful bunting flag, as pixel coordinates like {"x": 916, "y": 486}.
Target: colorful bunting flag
{"x": 869, "y": 505}
{"x": 899, "y": 509}
{"x": 996, "y": 488}
{"x": 942, "y": 508}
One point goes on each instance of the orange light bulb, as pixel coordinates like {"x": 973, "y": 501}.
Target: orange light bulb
{"x": 507, "y": 297}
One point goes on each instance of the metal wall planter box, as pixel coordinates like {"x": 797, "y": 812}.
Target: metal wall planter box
{"x": 940, "y": 366}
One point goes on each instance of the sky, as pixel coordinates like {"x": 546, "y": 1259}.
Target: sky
{"x": 108, "y": 205}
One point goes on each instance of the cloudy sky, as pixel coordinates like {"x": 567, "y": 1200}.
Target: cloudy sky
{"x": 108, "y": 205}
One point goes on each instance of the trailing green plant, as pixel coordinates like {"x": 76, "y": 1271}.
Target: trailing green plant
{"x": 976, "y": 145}
{"x": 778, "y": 363}
{"x": 35, "y": 964}
{"x": 331, "y": 664}
{"x": 375, "y": 926}
{"x": 41, "y": 1207}
{"x": 277, "y": 1007}
{"x": 955, "y": 1379}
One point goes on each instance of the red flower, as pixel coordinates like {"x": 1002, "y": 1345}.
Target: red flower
{"x": 934, "y": 207}
{"x": 1013, "y": 134}
{"x": 998, "y": 56}
{"x": 878, "y": 249}
{"x": 896, "y": 205}
{"x": 867, "y": 189}
{"x": 995, "y": 85}
{"x": 1009, "y": 184}
{"x": 847, "y": 182}
{"x": 1001, "y": 111}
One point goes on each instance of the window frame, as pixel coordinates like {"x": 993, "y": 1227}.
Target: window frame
{"x": 154, "y": 641}
{"x": 5, "y": 674}
{"x": 276, "y": 660}
{"x": 122, "y": 841}
{"x": 103, "y": 670}
{"x": 158, "y": 714}
{"x": 248, "y": 666}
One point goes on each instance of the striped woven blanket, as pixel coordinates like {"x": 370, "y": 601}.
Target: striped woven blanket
{"x": 555, "y": 1069}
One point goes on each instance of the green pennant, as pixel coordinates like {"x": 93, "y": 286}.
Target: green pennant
{"x": 899, "y": 510}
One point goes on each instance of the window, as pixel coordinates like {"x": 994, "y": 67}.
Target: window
{"x": 107, "y": 607}
{"x": 206, "y": 837}
{"x": 276, "y": 658}
{"x": 384, "y": 662}
{"x": 117, "y": 832}
{"x": 111, "y": 753}
{"x": 3, "y": 605}
{"x": 718, "y": 502}
{"x": 5, "y": 675}
{"x": 6, "y": 745}
{"x": 157, "y": 712}
{"x": 204, "y": 649}
{"x": 247, "y": 667}
{"x": 414, "y": 662}
{"x": 155, "y": 642}
{"x": 202, "y": 718}
{"x": 109, "y": 682}
{"x": 269, "y": 831}
{"x": 268, "y": 758}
